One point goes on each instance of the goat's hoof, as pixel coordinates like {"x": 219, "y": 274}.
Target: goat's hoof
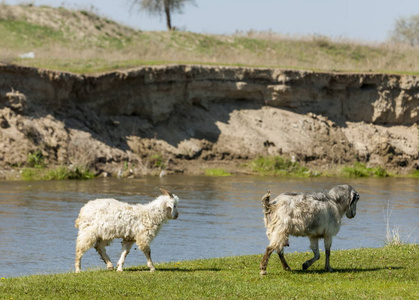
{"x": 120, "y": 270}
{"x": 152, "y": 270}
{"x": 329, "y": 269}
{"x": 110, "y": 268}
{"x": 305, "y": 266}
{"x": 287, "y": 268}
{"x": 263, "y": 272}
{"x": 77, "y": 271}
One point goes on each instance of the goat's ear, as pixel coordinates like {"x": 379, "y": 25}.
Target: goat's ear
{"x": 170, "y": 205}
{"x": 354, "y": 197}
{"x": 166, "y": 193}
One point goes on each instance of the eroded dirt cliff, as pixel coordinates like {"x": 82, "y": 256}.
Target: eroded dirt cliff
{"x": 187, "y": 118}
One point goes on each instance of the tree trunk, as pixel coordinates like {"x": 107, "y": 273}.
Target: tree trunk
{"x": 167, "y": 12}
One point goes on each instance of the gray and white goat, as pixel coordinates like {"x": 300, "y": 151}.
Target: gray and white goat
{"x": 315, "y": 215}
{"x": 102, "y": 220}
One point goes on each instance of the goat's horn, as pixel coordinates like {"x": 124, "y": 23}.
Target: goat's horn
{"x": 167, "y": 193}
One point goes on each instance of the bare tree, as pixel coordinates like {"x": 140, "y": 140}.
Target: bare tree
{"x": 406, "y": 30}
{"x": 157, "y": 7}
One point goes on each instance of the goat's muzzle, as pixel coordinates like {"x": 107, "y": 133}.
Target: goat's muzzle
{"x": 350, "y": 215}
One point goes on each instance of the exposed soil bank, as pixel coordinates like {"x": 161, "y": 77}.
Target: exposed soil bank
{"x": 192, "y": 117}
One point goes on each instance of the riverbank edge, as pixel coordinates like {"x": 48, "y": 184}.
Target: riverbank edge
{"x": 185, "y": 119}
{"x": 212, "y": 169}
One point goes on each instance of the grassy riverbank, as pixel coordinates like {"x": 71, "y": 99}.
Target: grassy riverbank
{"x": 262, "y": 166}
{"x": 391, "y": 272}
{"x": 82, "y": 42}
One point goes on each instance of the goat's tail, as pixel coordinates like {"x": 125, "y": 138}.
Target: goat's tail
{"x": 77, "y": 223}
{"x": 266, "y": 207}
{"x": 265, "y": 201}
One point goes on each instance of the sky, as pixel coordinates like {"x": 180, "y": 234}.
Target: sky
{"x": 359, "y": 20}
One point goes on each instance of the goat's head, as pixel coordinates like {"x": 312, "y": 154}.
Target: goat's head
{"x": 347, "y": 197}
{"x": 171, "y": 204}
{"x": 352, "y": 201}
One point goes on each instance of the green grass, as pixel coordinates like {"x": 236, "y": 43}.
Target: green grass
{"x": 156, "y": 161}
{"x": 24, "y": 35}
{"x": 217, "y": 172}
{"x": 37, "y": 170}
{"x": 86, "y": 66}
{"x": 58, "y": 173}
{"x": 35, "y": 160}
{"x": 82, "y": 42}
{"x": 361, "y": 170}
{"x": 415, "y": 173}
{"x": 64, "y": 173}
{"x": 278, "y": 165}
{"x": 383, "y": 273}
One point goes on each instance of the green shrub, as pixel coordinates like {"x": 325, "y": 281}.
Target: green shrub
{"x": 81, "y": 173}
{"x": 415, "y": 173}
{"x": 217, "y": 172}
{"x": 63, "y": 173}
{"x": 29, "y": 174}
{"x": 361, "y": 170}
{"x": 156, "y": 161}
{"x": 278, "y": 165}
{"x": 36, "y": 160}
{"x": 59, "y": 173}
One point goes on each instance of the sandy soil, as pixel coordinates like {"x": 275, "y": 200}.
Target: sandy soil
{"x": 184, "y": 119}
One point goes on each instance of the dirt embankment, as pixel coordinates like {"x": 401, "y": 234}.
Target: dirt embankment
{"x": 187, "y": 118}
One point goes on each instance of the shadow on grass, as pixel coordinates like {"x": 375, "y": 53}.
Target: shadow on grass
{"x": 145, "y": 269}
{"x": 351, "y": 270}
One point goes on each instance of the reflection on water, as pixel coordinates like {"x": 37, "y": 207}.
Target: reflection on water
{"x": 218, "y": 217}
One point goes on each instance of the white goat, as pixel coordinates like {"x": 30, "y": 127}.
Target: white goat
{"x": 102, "y": 220}
{"x": 315, "y": 215}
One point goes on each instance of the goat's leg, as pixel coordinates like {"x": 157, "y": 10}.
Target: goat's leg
{"x": 314, "y": 245}
{"x": 126, "y": 247}
{"x": 285, "y": 266}
{"x": 265, "y": 259}
{"x": 84, "y": 242}
{"x": 147, "y": 252}
{"x": 79, "y": 254}
{"x": 327, "y": 245}
{"x": 280, "y": 251}
{"x": 100, "y": 248}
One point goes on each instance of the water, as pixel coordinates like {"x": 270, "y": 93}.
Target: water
{"x": 218, "y": 217}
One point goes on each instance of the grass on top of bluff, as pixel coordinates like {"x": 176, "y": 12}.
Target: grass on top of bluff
{"x": 82, "y": 42}
{"x": 391, "y": 272}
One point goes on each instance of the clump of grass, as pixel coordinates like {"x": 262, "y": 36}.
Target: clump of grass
{"x": 36, "y": 163}
{"x": 278, "y": 165}
{"x": 59, "y": 173}
{"x": 35, "y": 160}
{"x": 64, "y": 173}
{"x": 393, "y": 236}
{"x": 30, "y": 174}
{"x": 361, "y": 170}
{"x": 217, "y": 172}
{"x": 156, "y": 161}
{"x": 37, "y": 169}
{"x": 415, "y": 173}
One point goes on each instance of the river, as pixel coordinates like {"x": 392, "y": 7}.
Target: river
{"x": 218, "y": 216}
